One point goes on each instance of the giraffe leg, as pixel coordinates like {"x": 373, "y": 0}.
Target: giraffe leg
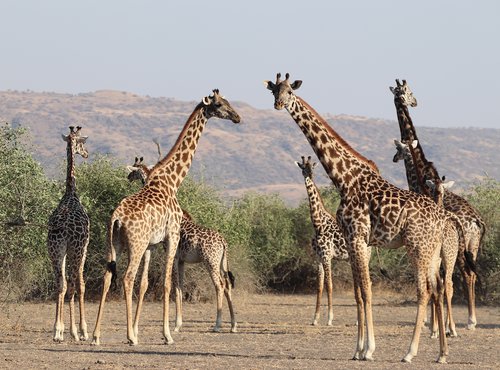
{"x": 472, "y": 321}
{"x": 106, "y": 283}
{"x": 356, "y": 256}
{"x": 178, "y": 271}
{"x": 450, "y": 323}
{"x": 319, "y": 292}
{"x": 81, "y": 292}
{"x": 142, "y": 290}
{"x": 329, "y": 286}
{"x": 59, "y": 267}
{"x": 219, "y": 291}
{"x": 171, "y": 243}
{"x": 437, "y": 297}
{"x": 434, "y": 321}
{"x": 128, "y": 287}
{"x": 72, "y": 317}
{"x": 227, "y": 293}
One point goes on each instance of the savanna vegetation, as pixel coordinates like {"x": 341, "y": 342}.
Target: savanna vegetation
{"x": 268, "y": 241}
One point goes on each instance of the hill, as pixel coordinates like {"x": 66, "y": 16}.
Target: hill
{"x": 257, "y": 155}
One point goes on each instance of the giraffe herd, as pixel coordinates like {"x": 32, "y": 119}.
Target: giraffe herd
{"x": 433, "y": 224}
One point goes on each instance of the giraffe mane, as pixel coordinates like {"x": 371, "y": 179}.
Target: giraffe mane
{"x": 187, "y": 215}
{"x": 340, "y": 139}
{"x": 174, "y": 148}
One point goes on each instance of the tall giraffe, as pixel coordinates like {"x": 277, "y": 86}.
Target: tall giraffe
{"x": 328, "y": 241}
{"x": 197, "y": 244}
{"x": 153, "y": 215}
{"x": 472, "y": 223}
{"x": 373, "y": 212}
{"x": 453, "y": 241}
{"x": 67, "y": 241}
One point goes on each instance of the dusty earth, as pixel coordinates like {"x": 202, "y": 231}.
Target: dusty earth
{"x": 274, "y": 332}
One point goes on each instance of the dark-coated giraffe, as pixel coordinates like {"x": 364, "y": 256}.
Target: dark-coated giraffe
{"x": 373, "y": 212}
{"x": 197, "y": 244}
{"x": 67, "y": 241}
{"x": 153, "y": 215}
{"x": 328, "y": 241}
{"x": 472, "y": 223}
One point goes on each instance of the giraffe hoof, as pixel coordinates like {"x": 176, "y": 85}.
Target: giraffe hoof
{"x": 216, "y": 329}
{"x": 132, "y": 342}
{"x": 168, "y": 341}
{"x": 177, "y": 329}
{"x": 95, "y": 342}
{"x": 233, "y": 329}
{"x": 407, "y": 359}
{"x": 441, "y": 360}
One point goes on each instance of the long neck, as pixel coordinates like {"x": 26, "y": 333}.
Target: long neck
{"x": 176, "y": 164}
{"x": 418, "y": 168}
{"x": 345, "y": 167}
{"x": 315, "y": 202}
{"x": 70, "y": 171}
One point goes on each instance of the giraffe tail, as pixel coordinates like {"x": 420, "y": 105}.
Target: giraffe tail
{"x": 228, "y": 275}
{"x": 111, "y": 265}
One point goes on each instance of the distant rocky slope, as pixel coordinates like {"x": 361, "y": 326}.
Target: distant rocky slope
{"x": 257, "y": 155}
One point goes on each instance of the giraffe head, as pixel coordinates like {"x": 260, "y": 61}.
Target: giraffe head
{"x": 76, "y": 141}
{"x": 307, "y": 166}
{"x": 403, "y": 150}
{"x": 437, "y": 187}
{"x": 404, "y": 94}
{"x": 283, "y": 91}
{"x": 138, "y": 171}
{"x": 217, "y": 106}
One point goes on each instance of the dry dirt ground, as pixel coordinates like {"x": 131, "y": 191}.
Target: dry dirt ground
{"x": 274, "y": 331}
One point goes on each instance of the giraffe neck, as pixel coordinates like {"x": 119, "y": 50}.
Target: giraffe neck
{"x": 315, "y": 202}
{"x": 346, "y": 168}
{"x": 70, "y": 171}
{"x": 174, "y": 167}
{"x": 418, "y": 168}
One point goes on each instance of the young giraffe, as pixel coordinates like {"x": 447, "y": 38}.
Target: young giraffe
{"x": 373, "y": 212}
{"x": 452, "y": 241}
{"x": 472, "y": 223}
{"x": 67, "y": 240}
{"x": 328, "y": 241}
{"x": 197, "y": 244}
{"x": 153, "y": 215}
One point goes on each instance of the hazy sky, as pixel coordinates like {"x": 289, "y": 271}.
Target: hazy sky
{"x": 346, "y": 52}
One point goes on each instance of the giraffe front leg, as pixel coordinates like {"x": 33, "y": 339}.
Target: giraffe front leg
{"x": 329, "y": 286}
{"x": 319, "y": 292}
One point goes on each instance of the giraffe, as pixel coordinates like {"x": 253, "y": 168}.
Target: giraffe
{"x": 453, "y": 233}
{"x": 328, "y": 241}
{"x": 373, "y": 212}
{"x": 153, "y": 215}
{"x": 197, "y": 244}
{"x": 472, "y": 223}
{"x": 67, "y": 241}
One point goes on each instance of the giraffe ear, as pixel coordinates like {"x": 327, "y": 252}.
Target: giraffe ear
{"x": 206, "y": 100}
{"x": 448, "y": 184}
{"x": 296, "y": 84}
{"x": 430, "y": 183}
{"x": 298, "y": 164}
{"x": 315, "y": 164}
{"x": 270, "y": 85}
{"x": 130, "y": 168}
{"x": 414, "y": 144}
{"x": 65, "y": 137}
{"x": 393, "y": 90}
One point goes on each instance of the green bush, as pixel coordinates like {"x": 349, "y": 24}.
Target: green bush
{"x": 27, "y": 198}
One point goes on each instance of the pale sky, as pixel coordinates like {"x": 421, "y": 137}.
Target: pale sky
{"x": 346, "y": 52}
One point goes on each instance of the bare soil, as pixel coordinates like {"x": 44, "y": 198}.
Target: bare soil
{"x": 274, "y": 331}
